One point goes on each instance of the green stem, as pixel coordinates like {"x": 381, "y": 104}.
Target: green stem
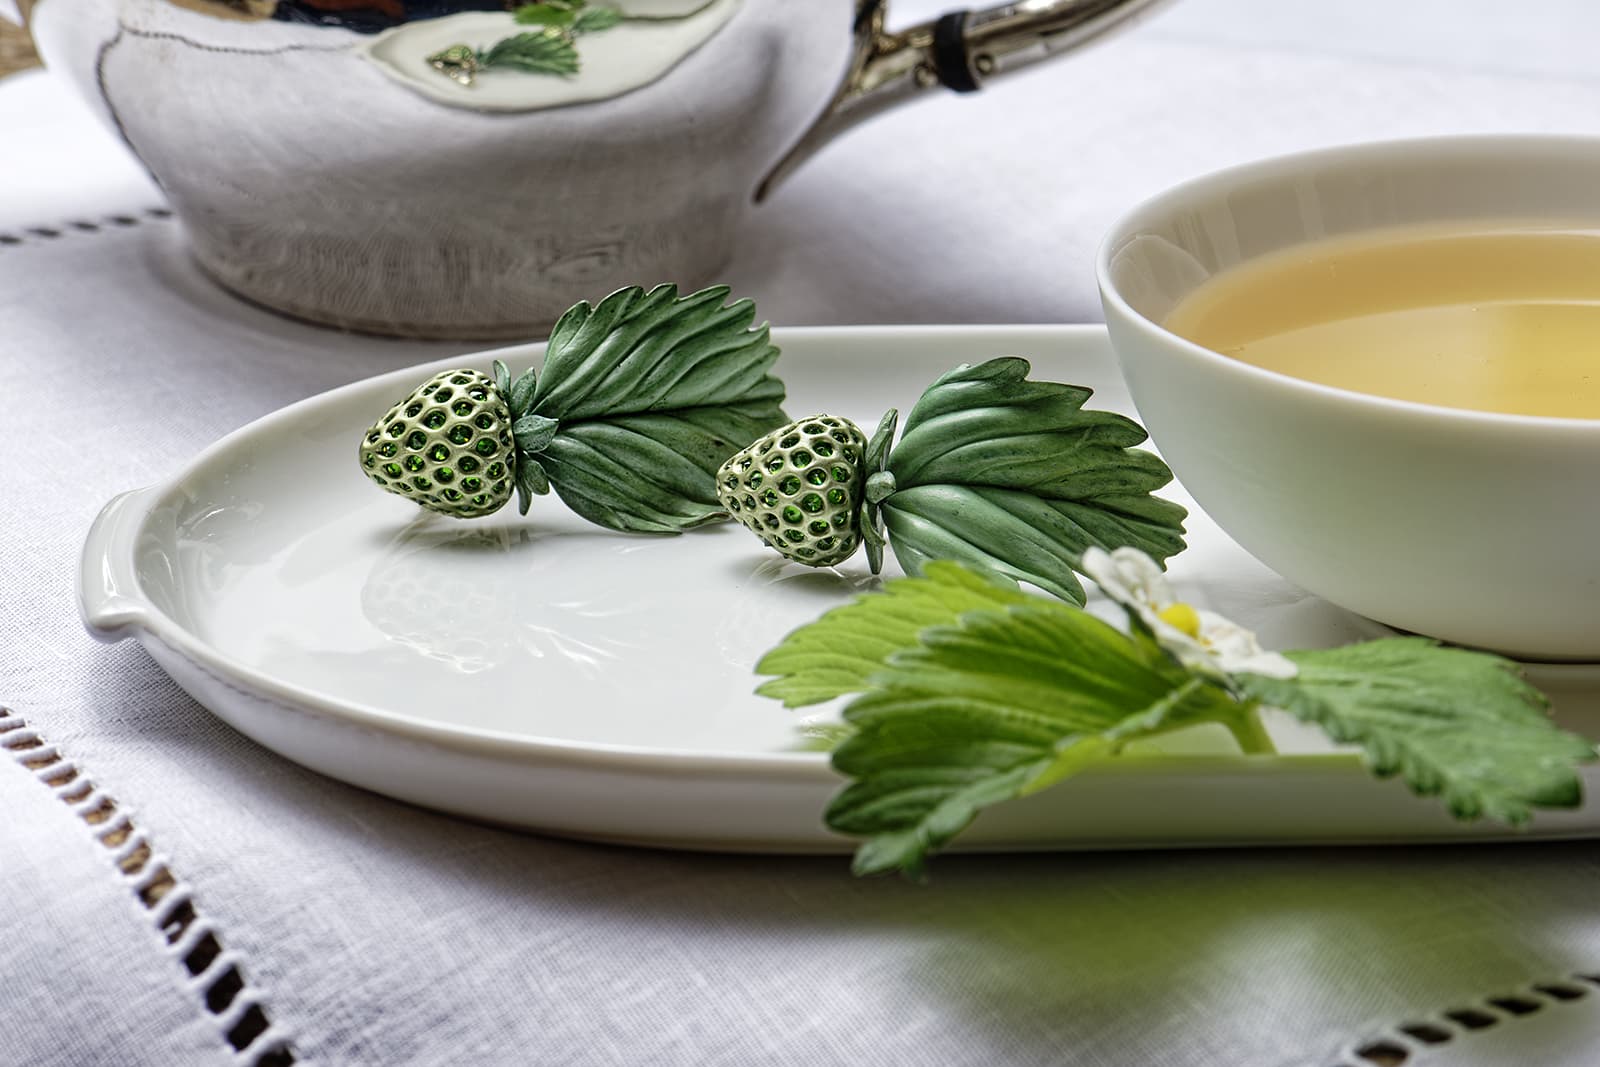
{"x": 1251, "y": 736}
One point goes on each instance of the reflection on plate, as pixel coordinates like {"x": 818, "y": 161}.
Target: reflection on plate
{"x": 545, "y": 673}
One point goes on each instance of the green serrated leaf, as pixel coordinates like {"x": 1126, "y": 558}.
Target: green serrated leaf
{"x": 596, "y": 19}
{"x": 1014, "y": 477}
{"x": 1000, "y": 703}
{"x": 544, "y": 51}
{"x": 970, "y": 693}
{"x": 835, "y": 655}
{"x": 653, "y": 393}
{"x": 1462, "y": 725}
{"x": 502, "y": 379}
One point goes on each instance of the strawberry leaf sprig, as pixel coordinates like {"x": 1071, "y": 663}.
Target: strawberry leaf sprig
{"x": 965, "y": 693}
{"x": 640, "y": 400}
{"x": 1010, "y": 476}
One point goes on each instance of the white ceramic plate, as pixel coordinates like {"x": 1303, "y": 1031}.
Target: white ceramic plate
{"x": 547, "y": 674}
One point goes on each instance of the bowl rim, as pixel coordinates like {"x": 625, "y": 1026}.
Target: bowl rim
{"x": 1443, "y": 149}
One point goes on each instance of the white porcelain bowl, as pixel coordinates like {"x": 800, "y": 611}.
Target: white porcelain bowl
{"x": 1477, "y": 528}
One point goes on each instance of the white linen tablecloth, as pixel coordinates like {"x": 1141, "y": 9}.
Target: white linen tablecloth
{"x": 363, "y": 931}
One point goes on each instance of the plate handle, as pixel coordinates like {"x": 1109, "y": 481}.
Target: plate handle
{"x": 109, "y": 598}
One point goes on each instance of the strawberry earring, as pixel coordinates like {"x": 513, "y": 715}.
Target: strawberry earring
{"x": 448, "y": 446}
{"x": 799, "y": 489}
{"x": 634, "y": 417}
{"x": 1008, "y": 475}
{"x": 640, "y": 400}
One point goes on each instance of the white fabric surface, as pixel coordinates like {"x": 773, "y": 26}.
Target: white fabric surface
{"x": 75, "y": 935}
{"x": 374, "y": 933}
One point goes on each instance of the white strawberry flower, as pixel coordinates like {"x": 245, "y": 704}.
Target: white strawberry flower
{"x": 1200, "y": 640}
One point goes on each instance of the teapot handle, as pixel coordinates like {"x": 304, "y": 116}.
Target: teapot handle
{"x": 960, "y": 50}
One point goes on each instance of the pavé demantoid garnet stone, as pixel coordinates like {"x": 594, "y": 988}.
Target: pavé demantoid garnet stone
{"x": 435, "y": 434}
{"x": 799, "y": 489}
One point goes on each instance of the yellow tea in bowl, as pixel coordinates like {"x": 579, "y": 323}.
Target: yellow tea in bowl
{"x": 1503, "y": 319}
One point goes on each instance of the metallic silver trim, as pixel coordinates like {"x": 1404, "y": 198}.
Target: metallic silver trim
{"x": 889, "y": 68}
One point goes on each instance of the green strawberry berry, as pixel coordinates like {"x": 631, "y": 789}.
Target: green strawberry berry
{"x": 799, "y": 489}
{"x": 442, "y": 446}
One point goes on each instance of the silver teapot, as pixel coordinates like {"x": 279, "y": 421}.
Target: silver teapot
{"x": 470, "y": 168}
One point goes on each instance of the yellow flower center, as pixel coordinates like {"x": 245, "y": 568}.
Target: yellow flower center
{"x": 1181, "y": 617}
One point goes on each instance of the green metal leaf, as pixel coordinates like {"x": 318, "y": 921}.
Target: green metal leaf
{"x": 639, "y": 351}
{"x": 653, "y": 393}
{"x": 882, "y": 439}
{"x": 880, "y": 485}
{"x": 652, "y": 473}
{"x": 1014, "y": 477}
{"x": 521, "y": 395}
{"x": 531, "y": 482}
{"x": 534, "y": 432}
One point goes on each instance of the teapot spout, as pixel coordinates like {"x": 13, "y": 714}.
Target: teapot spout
{"x": 961, "y": 51}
